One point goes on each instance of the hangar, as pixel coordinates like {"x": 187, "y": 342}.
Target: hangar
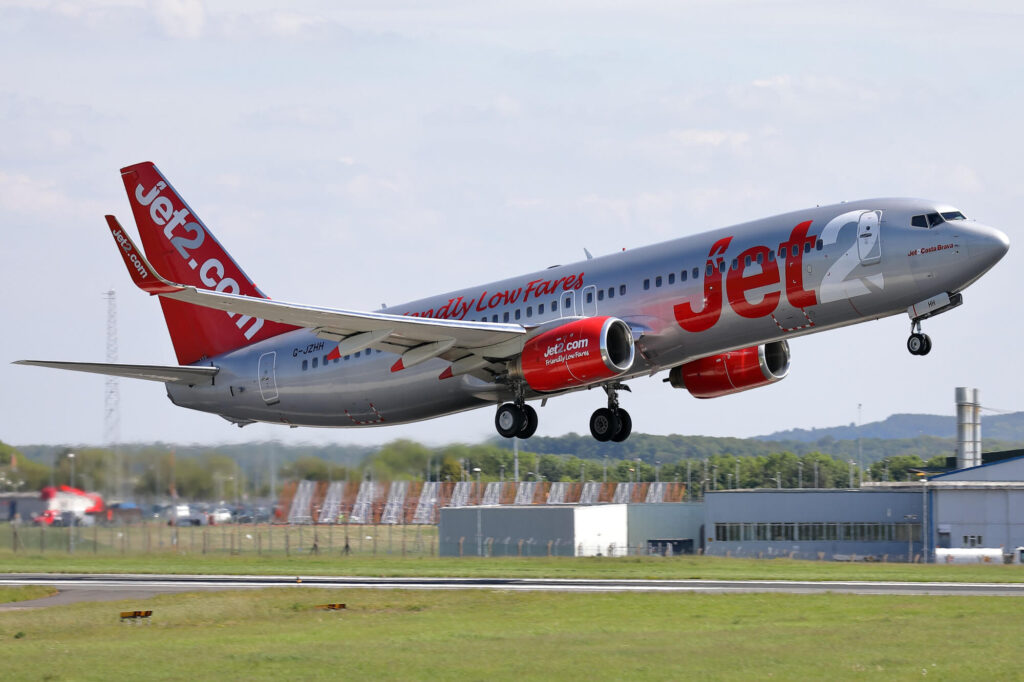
{"x": 571, "y": 529}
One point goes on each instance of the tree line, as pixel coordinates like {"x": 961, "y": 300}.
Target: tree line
{"x": 158, "y": 471}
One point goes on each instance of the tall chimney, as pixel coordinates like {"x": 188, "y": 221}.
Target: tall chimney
{"x": 968, "y": 427}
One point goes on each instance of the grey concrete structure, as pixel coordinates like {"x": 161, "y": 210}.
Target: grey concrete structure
{"x": 860, "y": 524}
{"x": 666, "y": 528}
{"x": 534, "y": 530}
{"x": 981, "y": 506}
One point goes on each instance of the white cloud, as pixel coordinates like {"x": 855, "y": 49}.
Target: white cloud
{"x": 710, "y": 138}
{"x": 181, "y": 18}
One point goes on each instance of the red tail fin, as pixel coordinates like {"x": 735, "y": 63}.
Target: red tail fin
{"x": 181, "y": 249}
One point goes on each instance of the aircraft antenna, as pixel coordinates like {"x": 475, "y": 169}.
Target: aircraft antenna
{"x": 112, "y": 400}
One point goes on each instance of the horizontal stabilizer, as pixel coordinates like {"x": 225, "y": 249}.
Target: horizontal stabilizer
{"x": 167, "y": 374}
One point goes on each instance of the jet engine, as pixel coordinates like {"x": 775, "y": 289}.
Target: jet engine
{"x": 576, "y": 353}
{"x": 732, "y": 372}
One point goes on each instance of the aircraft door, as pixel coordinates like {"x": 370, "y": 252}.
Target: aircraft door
{"x": 268, "y": 378}
{"x": 568, "y": 304}
{"x": 589, "y": 302}
{"x": 869, "y": 239}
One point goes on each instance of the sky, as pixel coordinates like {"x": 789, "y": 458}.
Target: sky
{"x": 359, "y": 153}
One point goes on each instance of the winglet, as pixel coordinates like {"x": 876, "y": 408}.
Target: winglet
{"x": 143, "y": 274}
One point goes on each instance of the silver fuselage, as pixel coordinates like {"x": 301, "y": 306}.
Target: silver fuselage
{"x": 843, "y": 274}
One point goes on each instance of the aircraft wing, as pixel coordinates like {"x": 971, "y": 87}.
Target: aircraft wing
{"x": 470, "y": 346}
{"x": 168, "y": 374}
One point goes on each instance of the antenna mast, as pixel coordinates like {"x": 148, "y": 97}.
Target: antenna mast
{"x": 112, "y": 402}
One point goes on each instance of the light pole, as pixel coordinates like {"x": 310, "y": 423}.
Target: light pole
{"x": 851, "y": 474}
{"x": 800, "y": 474}
{"x": 71, "y": 456}
{"x": 816, "y": 474}
{"x": 479, "y": 522}
{"x": 910, "y": 518}
{"x": 737, "y": 472}
{"x": 778, "y": 480}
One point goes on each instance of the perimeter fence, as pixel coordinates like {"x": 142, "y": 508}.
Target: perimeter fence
{"x": 229, "y": 539}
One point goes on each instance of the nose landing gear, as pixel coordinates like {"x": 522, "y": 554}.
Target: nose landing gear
{"x": 611, "y": 423}
{"x": 918, "y": 343}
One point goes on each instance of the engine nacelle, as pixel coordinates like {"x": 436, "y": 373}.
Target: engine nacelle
{"x": 576, "y": 353}
{"x": 734, "y": 371}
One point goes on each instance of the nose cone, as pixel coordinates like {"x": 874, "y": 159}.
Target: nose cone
{"x": 987, "y": 245}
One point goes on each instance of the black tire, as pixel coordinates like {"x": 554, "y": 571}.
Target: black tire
{"x": 509, "y": 421}
{"x": 927, "y": 348}
{"x": 625, "y": 427}
{"x": 603, "y": 424}
{"x": 915, "y": 344}
{"x": 530, "y": 423}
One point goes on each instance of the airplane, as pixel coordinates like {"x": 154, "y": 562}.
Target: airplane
{"x": 713, "y": 310}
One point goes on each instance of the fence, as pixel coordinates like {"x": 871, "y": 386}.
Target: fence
{"x": 230, "y": 539}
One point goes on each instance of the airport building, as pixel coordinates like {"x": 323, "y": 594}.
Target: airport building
{"x": 815, "y": 523}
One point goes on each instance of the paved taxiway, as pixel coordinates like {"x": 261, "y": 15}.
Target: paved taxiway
{"x": 104, "y": 587}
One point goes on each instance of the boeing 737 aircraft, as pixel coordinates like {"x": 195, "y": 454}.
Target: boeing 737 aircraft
{"x": 714, "y": 310}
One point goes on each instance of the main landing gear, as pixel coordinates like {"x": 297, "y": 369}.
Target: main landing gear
{"x": 918, "y": 343}
{"x": 611, "y": 423}
{"x": 518, "y": 420}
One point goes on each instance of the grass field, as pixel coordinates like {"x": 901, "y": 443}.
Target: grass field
{"x": 276, "y": 634}
{"x": 719, "y": 568}
{"x": 401, "y": 551}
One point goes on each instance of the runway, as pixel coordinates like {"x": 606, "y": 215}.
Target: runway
{"x": 112, "y": 587}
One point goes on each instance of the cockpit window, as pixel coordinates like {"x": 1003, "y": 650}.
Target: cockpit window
{"x": 933, "y": 219}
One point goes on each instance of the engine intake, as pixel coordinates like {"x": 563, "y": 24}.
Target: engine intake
{"x": 576, "y": 353}
{"x": 732, "y": 372}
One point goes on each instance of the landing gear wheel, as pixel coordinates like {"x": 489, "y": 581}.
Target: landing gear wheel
{"x": 916, "y": 344}
{"x": 603, "y": 424}
{"x": 927, "y": 348}
{"x": 625, "y": 427}
{"x": 529, "y": 423}
{"x": 510, "y": 420}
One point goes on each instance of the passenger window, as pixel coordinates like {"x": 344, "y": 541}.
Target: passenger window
{"x": 807, "y": 247}
{"x": 796, "y": 250}
{"x": 721, "y": 266}
{"x": 358, "y": 353}
{"x": 647, "y": 284}
{"x": 919, "y": 221}
{"x": 611, "y": 292}
{"x": 316, "y": 361}
{"x": 494, "y": 318}
{"x": 554, "y": 306}
{"x": 540, "y": 309}
{"x": 746, "y": 262}
{"x": 682, "y": 275}
{"x": 518, "y": 313}
{"x": 529, "y": 311}
{"x": 348, "y": 357}
{"x": 782, "y": 251}
{"x": 600, "y": 295}
{"x": 696, "y": 273}
{"x": 760, "y": 259}
{"x": 326, "y": 360}
{"x": 657, "y": 281}
{"x": 590, "y": 297}
{"x": 671, "y": 278}
{"x": 771, "y": 256}
{"x": 622, "y": 290}
{"x": 735, "y": 263}
{"x": 505, "y": 316}
{"x": 337, "y": 360}
{"x": 710, "y": 269}
{"x": 820, "y": 245}
{"x": 305, "y": 365}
